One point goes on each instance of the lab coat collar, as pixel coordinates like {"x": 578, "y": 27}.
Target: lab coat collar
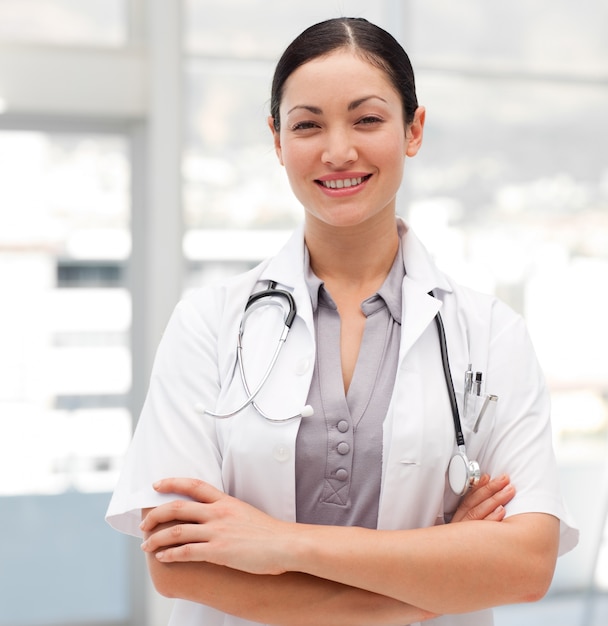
{"x": 286, "y": 268}
{"x": 419, "y": 265}
{"x": 422, "y": 276}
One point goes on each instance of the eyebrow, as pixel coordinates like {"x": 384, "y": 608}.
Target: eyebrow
{"x": 351, "y": 107}
{"x": 357, "y": 103}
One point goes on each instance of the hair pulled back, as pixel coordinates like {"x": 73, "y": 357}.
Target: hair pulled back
{"x": 371, "y": 42}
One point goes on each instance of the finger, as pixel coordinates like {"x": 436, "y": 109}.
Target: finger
{"x": 178, "y": 534}
{"x": 175, "y": 511}
{"x": 484, "y": 490}
{"x": 192, "y": 487}
{"x": 188, "y": 552}
{"x": 497, "y": 515}
{"x": 479, "y": 501}
{"x": 475, "y": 494}
{"x": 505, "y": 495}
{"x": 488, "y": 506}
{"x": 473, "y": 498}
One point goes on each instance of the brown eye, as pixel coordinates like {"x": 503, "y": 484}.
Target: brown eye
{"x": 369, "y": 120}
{"x": 304, "y": 126}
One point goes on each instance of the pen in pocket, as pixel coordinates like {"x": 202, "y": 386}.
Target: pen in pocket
{"x": 478, "y": 379}
{"x": 468, "y": 385}
{"x": 483, "y": 410}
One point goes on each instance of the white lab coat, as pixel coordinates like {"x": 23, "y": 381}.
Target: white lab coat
{"x": 254, "y": 460}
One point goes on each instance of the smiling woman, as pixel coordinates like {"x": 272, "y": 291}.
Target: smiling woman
{"x": 344, "y": 510}
{"x": 343, "y": 140}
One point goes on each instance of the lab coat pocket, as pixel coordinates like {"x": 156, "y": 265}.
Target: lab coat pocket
{"x": 479, "y": 416}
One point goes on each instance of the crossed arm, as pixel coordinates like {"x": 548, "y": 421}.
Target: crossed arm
{"x": 217, "y": 550}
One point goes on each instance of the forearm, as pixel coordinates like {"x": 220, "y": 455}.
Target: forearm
{"x": 291, "y": 599}
{"x": 444, "y": 569}
{"x": 358, "y": 576}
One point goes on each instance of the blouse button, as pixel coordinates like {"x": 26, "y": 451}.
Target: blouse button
{"x": 343, "y": 426}
{"x": 342, "y": 474}
{"x": 343, "y": 447}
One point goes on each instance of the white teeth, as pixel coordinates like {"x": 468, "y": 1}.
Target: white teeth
{"x": 340, "y": 184}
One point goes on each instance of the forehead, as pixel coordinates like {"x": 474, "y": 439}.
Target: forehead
{"x": 338, "y": 75}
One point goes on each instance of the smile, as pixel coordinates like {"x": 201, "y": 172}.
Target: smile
{"x": 342, "y": 183}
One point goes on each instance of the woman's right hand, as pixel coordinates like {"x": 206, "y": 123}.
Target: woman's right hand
{"x": 485, "y": 501}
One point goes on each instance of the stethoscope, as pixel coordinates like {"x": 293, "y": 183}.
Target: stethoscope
{"x": 462, "y": 472}
{"x": 285, "y": 300}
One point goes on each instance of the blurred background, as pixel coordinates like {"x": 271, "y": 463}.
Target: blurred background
{"x": 135, "y": 164}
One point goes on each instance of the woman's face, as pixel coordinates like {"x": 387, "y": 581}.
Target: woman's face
{"x": 343, "y": 140}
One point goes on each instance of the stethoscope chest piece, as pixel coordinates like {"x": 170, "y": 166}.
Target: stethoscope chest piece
{"x": 462, "y": 473}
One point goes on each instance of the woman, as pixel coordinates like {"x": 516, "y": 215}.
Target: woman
{"x": 336, "y": 515}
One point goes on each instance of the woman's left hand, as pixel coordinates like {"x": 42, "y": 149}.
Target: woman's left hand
{"x": 214, "y": 527}
{"x": 485, "y": 501}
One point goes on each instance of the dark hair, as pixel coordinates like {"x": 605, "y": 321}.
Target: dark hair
{"x": 371, "y": 42}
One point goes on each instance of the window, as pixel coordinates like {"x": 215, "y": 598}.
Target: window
{"x": 232, "y": 179}
{"x": 65, "y": 370}
{"x": 64, "y": 22}
{"x": 509, "y": 190}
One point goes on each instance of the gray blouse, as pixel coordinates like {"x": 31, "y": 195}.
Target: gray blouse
{"x": 339, "y": 448}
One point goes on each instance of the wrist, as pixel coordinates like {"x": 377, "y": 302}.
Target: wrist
{"x": 298, "y": 546}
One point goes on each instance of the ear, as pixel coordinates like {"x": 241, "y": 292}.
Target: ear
{"x": 276, "y": 136}
{"x": 414, "y": 132}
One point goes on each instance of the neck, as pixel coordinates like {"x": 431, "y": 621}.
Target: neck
{"x": 360, "y": 256}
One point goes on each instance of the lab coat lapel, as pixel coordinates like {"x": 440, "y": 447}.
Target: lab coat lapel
{"x": 422, "y": 277}
{"x": 419, "y": 310}
{"x": 259, "y": 456}
{"x": 409, "y": 489}
{"x": 287, "y": 269}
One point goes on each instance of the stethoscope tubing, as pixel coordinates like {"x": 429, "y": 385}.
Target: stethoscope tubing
{"x": 290, "y": 314}
{"x": 449, "y": 381}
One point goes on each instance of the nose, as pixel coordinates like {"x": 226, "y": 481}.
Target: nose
{"x": 339, "y": 149}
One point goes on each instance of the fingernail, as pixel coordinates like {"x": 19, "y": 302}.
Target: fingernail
{"x": 156, "y": 485}
{"x": 144, "y": 545}
{"x": 160, "y": 555}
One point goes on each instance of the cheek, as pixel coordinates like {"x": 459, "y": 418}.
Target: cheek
{"x": 382, "y": 147}
{"x": 394, "y": 145}
{"x": 297, "y": 158}
{"x": 393, "y": 155}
